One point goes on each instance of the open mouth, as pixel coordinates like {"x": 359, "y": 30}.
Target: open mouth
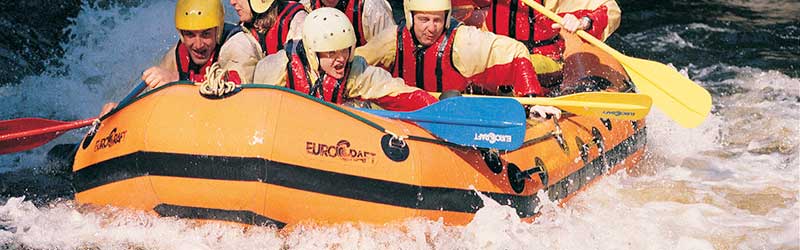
{"x": 200, "y": 54}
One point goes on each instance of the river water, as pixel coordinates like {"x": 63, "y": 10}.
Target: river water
{"x": 732, "y": 183}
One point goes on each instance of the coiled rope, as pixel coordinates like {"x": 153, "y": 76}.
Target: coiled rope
{"x": 215, "y": 83}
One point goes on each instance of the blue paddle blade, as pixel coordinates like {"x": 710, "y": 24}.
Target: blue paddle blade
{"x": 482, "y": 122}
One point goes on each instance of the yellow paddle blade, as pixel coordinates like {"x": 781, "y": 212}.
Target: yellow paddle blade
{"x": 685, "y": 102}
{"x": 679, "y": 97}
{"x": 612, "y": 105}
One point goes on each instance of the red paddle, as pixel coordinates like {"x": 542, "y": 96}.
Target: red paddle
{"x": 27, "y": 133}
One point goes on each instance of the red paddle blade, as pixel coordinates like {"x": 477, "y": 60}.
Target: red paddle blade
{"x": 27, "y": 133}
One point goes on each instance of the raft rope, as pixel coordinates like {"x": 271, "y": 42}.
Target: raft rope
{"x": 398, "y": 141}
{"x": 215, "y": 83}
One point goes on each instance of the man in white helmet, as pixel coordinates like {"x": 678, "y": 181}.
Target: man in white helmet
{"x": 322, "y": 65}
{"x": 266, "y": 26}
{"x": 435, "y": 53}
{"x": 369, "y": 17}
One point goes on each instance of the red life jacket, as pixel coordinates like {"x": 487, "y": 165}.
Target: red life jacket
{"x": 326, "y": 88}
{"x": 187, "y": 69}
{"x": 272, "y": 41}
{"x": 426, "y": 68}
{"x": 354, "y": 10}
{"x": 513, "y": 18}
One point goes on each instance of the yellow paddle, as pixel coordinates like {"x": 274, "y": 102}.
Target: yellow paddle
{"x": 679, "y": 97}
{"x": 613, "y": 105}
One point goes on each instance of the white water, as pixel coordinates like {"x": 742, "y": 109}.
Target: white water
{"x": 733, "y": 183}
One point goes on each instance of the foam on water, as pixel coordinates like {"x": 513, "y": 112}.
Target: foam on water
{"x": 108, "y": 50}
{"x": 732, "y": 183}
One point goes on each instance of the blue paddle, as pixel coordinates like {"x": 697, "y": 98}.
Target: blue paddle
{"x": 134, "y": 93}
{"x": 482, "y": 122}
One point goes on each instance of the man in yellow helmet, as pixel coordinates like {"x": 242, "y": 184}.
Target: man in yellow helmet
{"x": 434, "y": 53}
{"x": 322, "y": 64}
{"x": 369, "y": 17}
{"x": 202, "y": 30}
{"x": 267, "y": 25}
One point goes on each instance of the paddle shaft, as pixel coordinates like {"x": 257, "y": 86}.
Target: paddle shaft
{"x": 444, "y": 119}
{"x": 583, "y": 34}
{"x": 135, "y": 92}
{"x": 29, "y": 133}
{"x": 57, "y": 129}
{"x": 613, "y": 105}
{"x": 679, "y": 97}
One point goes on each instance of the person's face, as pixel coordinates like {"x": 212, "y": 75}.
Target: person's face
{"x": 333, "y": 63}
{"x": 201, "y": 44}
{"x": 330, "y": 3}
{"x": 428, "y": 26}
{"x": 242, "y": 8}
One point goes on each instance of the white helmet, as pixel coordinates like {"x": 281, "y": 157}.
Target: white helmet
{"x": 327, "y": 29}
{"x": 260, "y": 6}
{"x": 426, "y": 5}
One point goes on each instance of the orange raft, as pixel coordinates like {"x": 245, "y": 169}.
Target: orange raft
{"x": 271, "y": 156}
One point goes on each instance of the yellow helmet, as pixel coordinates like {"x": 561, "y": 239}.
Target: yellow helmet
{"x": 426, "y": 5}
{"x": 260, "y": 6}
{"x": 327, "y": 29}
{"x": 200, "y": 15}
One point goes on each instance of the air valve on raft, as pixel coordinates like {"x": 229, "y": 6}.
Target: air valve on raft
{"x": 394, "y": 147}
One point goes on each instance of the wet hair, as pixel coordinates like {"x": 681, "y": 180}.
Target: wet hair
{"x": 264, "y": 21}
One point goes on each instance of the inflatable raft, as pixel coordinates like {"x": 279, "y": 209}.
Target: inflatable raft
{"x": 271, "y": 156}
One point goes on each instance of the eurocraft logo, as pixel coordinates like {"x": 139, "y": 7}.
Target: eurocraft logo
{"x": 341, "y": 150}
{"x": 492, "y": 138}
{"x": 112, "y": 139}
{"x": 618, "y": 113}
